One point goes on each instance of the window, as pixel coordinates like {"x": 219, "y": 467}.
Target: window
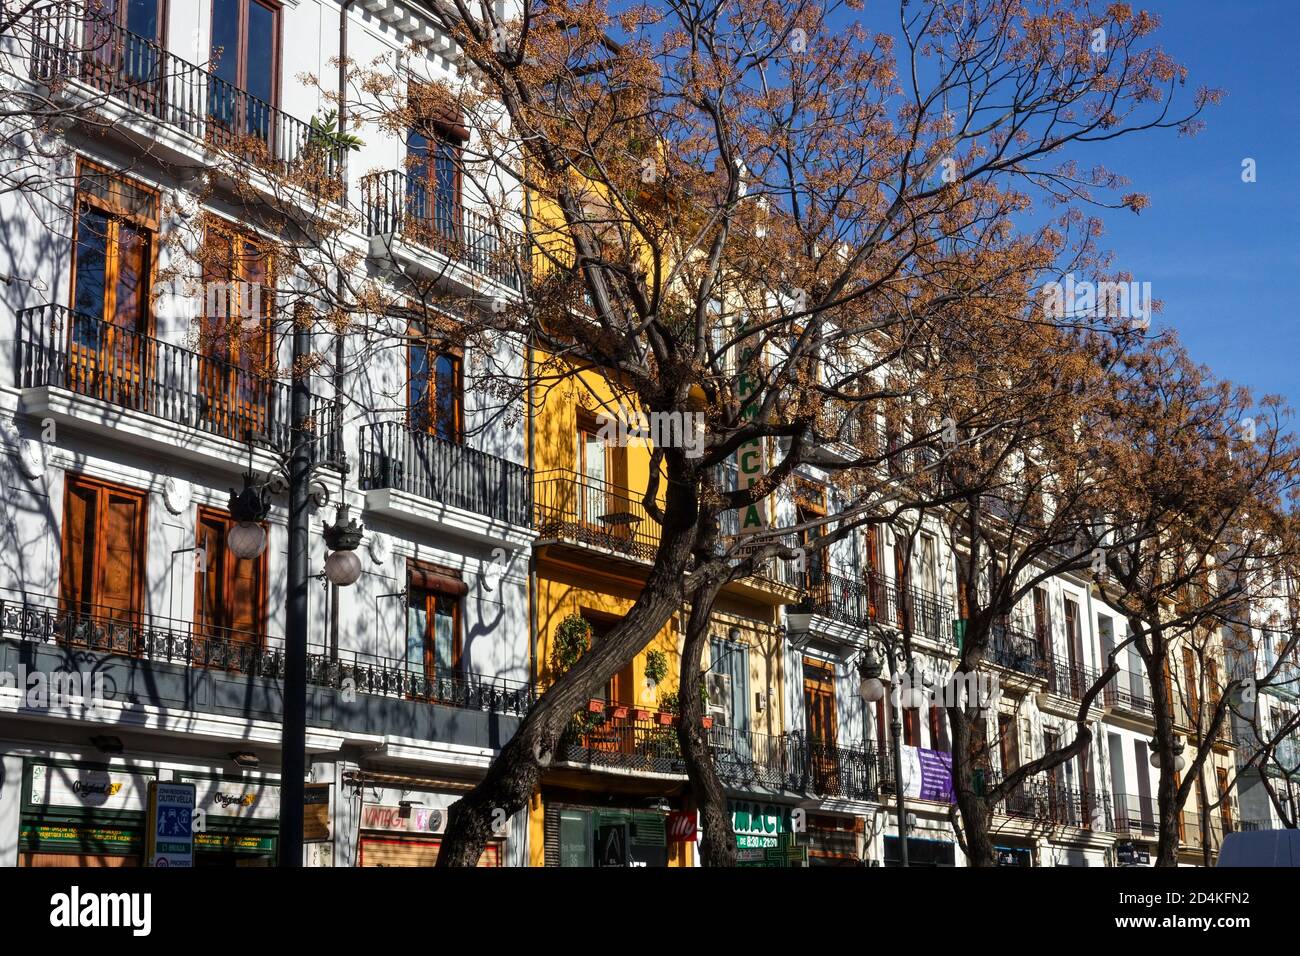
{"x": 103, "y": 548}
{"x": 122, "y": 39}
{"x": 911, "y": 727}
{"x": 434, "y": 389}
{"x": 938, "y": 729}
{"x": 1073, "y": 649}
{"x": 433, "y": 638}
{"x": 576, "y": 838}
{"x": 1042, "y": 622}
{"x": 926, "y": 558}
{"x": 619, "y": 689}
{"x": 230, "y": 591}
{"x": 112, "y": 259}
{"x": 245, "y": 41}
{"x": 235, "y": 331}
{"x": 433, "y": 160}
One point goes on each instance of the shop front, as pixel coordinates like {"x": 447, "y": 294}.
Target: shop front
{"x": 766, "y": 834}
{"x": 241, "y": 816}
{"x": 79, "y": 814}
{"x": 405, "y": 828}
{"x": 922, "y": 852}
{"x": 578, "y": 833}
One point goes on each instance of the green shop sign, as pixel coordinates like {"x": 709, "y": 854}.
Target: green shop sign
{"x": 72, "y": 837}
{"x": 758, "y": 826}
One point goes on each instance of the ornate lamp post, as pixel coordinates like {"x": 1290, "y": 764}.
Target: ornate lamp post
{"x": 871, "y": 689}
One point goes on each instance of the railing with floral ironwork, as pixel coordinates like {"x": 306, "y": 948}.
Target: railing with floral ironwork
{"x": 40, "y": 620}
{"x": 394, "y": 455}
{"x": 72, "y": 45}
{"x": 1070, "y": 680}
{"x": 401, "y": 203}
{"x": 574, "y": 508}
{"x": 84, "y": 354}
{"x": 877, "y": 600}
{"x": 1016, "y": 649}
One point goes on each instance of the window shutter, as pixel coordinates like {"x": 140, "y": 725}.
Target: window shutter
{"x": 76, "y": 582}
{"x": 120, "y": 575}
{"x": 551, "y": 836}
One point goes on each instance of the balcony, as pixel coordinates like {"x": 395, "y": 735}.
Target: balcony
{"x": 1070, "y": 681}
{"x": 583, "y": 511}
{"x": 399, "y": 463}
{"x": 1046, "y": 803}
{"x": 145, "y": 640}
{"x": 622, "y": 738}
{"x": 877, "y": 600}
{"x": 470, "y": 246}
{"x": 80, "y": 368}
{"x": 1136, "y": 815}
{"x": 1015, "y": 649}
{"x": 89, "y": 58}
{"x": 1127, "y": 692}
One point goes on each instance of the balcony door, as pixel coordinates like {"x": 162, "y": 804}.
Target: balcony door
{"x": 124, "y": 39}
{"x": 819, "y": 711}
{"x": 604, "y": 506}
{"x": 112, "y": 263}
{"x": 245, "y": 63}
{"x": 433, "y": 391}
{"x": 235, "y": 333}
{"x": 433, "y": 187}
{"x": 434, "y": 650}
{"x": 103, "y": 553}
{"x": 230, "y": 595}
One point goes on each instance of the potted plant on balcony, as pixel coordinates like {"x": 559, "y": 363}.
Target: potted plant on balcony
{"x": 618, "y": 711}
{"x": 668, "y": 708}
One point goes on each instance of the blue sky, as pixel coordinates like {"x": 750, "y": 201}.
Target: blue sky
{"x": 1220, "y": 253}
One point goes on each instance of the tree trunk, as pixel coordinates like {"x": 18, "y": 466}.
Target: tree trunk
{"x": 975, "y": 815}
{"x": 718, "y": 846}
{"x": 513, "y": 777}
{"x": 1166, "y": 790}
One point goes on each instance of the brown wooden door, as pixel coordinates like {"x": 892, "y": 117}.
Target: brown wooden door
{"x": 1225, "y": 797}
{"x": 235, "y": 334}
{"x": 231, "y": 595}
{"x": 103, "y": 544}
{"x": 819, "y": 708}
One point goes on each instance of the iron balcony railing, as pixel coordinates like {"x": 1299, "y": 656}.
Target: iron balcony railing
{"x": 83, "y": 354}
{"x": 1053, "y": 804}
{"x": 1014, "y": 648}
{"x": 1128, "y": 692}
{"x": 410, "y": 205}
{"x": 1070, "y": 680}
{"x": 622, "y": 736}
{"x": 877, "y": 600}
{"x": 394, "y": 455}
{"x": 125, "y": 633}
{"x": 70, "y": 44}
{"x": 1135, "y": 814}
{"x": 586, "y": 511}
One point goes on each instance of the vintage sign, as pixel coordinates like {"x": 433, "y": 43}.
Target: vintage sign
{"x": 169, "y": 836}
{"x": 751, "y": 460}
{"x": 416, "y": 819}
{"x": 316, "y": 813}
{"x": 82, "y": 788}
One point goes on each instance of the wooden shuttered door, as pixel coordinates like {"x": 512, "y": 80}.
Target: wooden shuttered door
{"x": 231, "y": 594}
{"x": 391, "y": 851}
{"x": 103, "y": 548}
{"x": 551, "y": 836}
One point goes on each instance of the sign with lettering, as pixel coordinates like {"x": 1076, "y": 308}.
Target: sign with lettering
{"x": 681, "y": 826}
{"x": 316, "y": 813}
{"x": 170, "y": 836}
{"x": 758, "y": 826}
{"x": 82, "y": 788}
{"x": 416, "y": 819}
{"x": 927, "y": 774}
{"x": 751, "y": 460}
{"x": 236, "y": 799}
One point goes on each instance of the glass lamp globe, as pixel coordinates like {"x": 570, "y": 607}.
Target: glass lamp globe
{"x": 247, "y": 540}
{"x": 342, "y": 568}
{"x": 871, "y": 689}
{"x": 1179, "y": 763}
{"x": 1155, "y": 759}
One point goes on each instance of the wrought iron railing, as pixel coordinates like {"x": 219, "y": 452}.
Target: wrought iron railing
{"x": 69, "y": 44}
{"x": 574, "y": 508}
{"x": 877, "y": 600}
{"x": 1054, "y": 804}
{"x": 397, "y": 202}
{"x": 615, "y": 737}
{"x": 1136, "y": 814}
{"x": 1070, "y": 680}
{"x": 393, "y": 455}
{"x": 1127, "y": 691}
{"x": 1016, "y": 649}
{"x": 107, "y": 362}
{"x": 102, "y": 630}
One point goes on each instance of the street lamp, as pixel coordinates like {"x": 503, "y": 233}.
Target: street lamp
{"x": 1179, "y": 762}
{"x": 249, "y": 508}
{"x": 871, "y": 688}
{"x": 343, "y": 567}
